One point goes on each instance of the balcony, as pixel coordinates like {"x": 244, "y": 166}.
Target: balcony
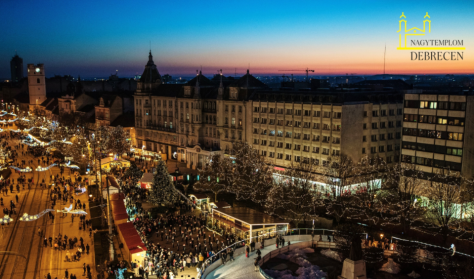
{"x": 297, "y": 137}
{"x": 160, "y": 128}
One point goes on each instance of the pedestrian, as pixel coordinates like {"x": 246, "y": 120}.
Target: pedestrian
{"x": 84, "y": 268}
{"x": 257, "y": 259}
{"x": 66, "y": 274}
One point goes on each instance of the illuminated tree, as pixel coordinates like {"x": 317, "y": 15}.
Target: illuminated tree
{"x": 213, "y": 175}
{"x": 292, "y": 195}
{"x": 117, "y": 140}
{"x": 445, "y": 195}
{"x": 250, "y": 177}
{"x": 132, "y": 175}
{"x": 404, "y": 182}
{"x": 162, "y": 191}
{"x": 340, "y": 174}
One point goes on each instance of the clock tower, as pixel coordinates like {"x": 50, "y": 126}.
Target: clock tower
{"x": 36, "y": 84}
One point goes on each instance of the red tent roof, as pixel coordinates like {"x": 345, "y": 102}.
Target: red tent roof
{"x": 118, "y": 210}
{"x": 117, "y": 197}
{"x": 132, "y": 239}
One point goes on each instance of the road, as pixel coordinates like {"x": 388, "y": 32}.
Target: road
{"x": 25, "y": 256}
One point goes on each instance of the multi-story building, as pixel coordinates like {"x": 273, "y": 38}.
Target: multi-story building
{"x": 16, "y": 68}
{"x": 293, "y": 127}
{"x": 190, "y": 122}
{"x": 438, "y": 131}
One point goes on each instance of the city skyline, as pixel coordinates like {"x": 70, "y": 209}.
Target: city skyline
{"x": 333, "y": 39}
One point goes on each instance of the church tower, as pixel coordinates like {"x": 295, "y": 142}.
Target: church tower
{"x": 36, "y": 84}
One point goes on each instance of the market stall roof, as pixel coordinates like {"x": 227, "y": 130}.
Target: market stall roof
{"x": 117, "y": 197}
{"x": 199, "y": 196}
{"x": 132, "y": 239}
{"x": 118, "y": 208}
{"x": 112, "y": 181}
{"x": 147, "y": 178}
{"x": 111, "y": 159}
{"x": 249, "y": 216}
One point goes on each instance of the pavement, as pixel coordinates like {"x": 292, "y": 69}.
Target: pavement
{"x": 242, "y": 267}
{"x": 25, "y": 255}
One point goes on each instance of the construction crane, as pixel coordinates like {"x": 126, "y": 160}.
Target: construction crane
{"x": 307, "y": 71}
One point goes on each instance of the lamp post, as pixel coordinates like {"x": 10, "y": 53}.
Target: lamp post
{"x": 109, "y": 211}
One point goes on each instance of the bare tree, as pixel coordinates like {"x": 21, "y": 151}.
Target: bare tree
{"x": 404, "y": 181}
{"x": 445, "y": 195}
{"x": 251, "y": 175}
{"x": 213, "y": 175}
{"x": 293, "y": 195}
{"x": 340, "y": 174}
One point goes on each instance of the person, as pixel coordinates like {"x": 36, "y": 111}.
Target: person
{"x": 257, "y": 259}
{"x": 247, "y": 251}
{"x": 66, "y": 274}
{"x": 258, "y": 252}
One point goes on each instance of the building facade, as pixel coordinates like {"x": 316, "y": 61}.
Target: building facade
{"x": 16, "y": 68}
{"x": 191, "y": 122}
{"x": 36, "y": 85}
{"x": 310, "y": 127}
{"x": 438, "y": 132}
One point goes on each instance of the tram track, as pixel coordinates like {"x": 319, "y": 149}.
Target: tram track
{"x": 23, "y": 236}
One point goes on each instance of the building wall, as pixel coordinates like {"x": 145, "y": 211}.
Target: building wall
{"x": 352, "y": 143}
{"x": 468, "y": 147}
{"x": 433, "y": 136}
{"x": 36, "y": 84}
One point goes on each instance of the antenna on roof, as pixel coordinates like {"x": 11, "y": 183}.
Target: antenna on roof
{"x": 384, "y": 52}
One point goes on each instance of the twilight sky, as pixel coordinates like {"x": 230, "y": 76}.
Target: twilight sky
{"x": 95, "y": 38}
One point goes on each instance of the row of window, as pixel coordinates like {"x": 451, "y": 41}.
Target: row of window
{"x": 299, "y": 124}
{"x": 432, "y": 148}
{"x": 298, "y": 159}
{"x": 435, "y": 105}
{"x": 381, "y": 137}
{"x": 383, "y": 125}
{"x": 295, "y": 135}
{"x": 432, "y": 134}
{"x": 315, "y": 113}
{"x": 381, "y": 149}
{"x": 383, "y": 112}
{"x": 290, "y": 146}
{"x": 232, "y": 108}
{"x": 432, "y": 119}
{"x": 431, "y": 162}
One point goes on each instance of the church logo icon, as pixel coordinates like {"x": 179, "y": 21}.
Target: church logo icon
{"x": 422, "y": 44}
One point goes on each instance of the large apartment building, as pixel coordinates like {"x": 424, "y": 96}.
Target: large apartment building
{"x": 438, "y": 131}
{"x": 190, "y": 122}
{"x": 293, "y": 127}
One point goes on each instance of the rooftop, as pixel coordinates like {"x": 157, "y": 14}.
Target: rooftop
{"x": 249, "y": 216}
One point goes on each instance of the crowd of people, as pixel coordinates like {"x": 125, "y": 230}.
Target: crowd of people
{"x": 176, "y": 240}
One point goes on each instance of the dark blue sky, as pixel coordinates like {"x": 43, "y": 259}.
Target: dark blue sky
{"x": 95, "y": 37}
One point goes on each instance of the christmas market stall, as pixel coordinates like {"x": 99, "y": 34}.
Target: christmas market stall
{"x": 146, "y": 180}
{"x": 113, "y": 186}
{"x": 119, "y": 211}
{"x": 110, "y": 162}
{"x": 245, "y": 222}
{"x": 201, "y": 201}
{"x": 135, "y": 249}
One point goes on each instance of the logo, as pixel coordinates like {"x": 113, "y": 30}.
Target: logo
{"x": 411, "y": 40}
